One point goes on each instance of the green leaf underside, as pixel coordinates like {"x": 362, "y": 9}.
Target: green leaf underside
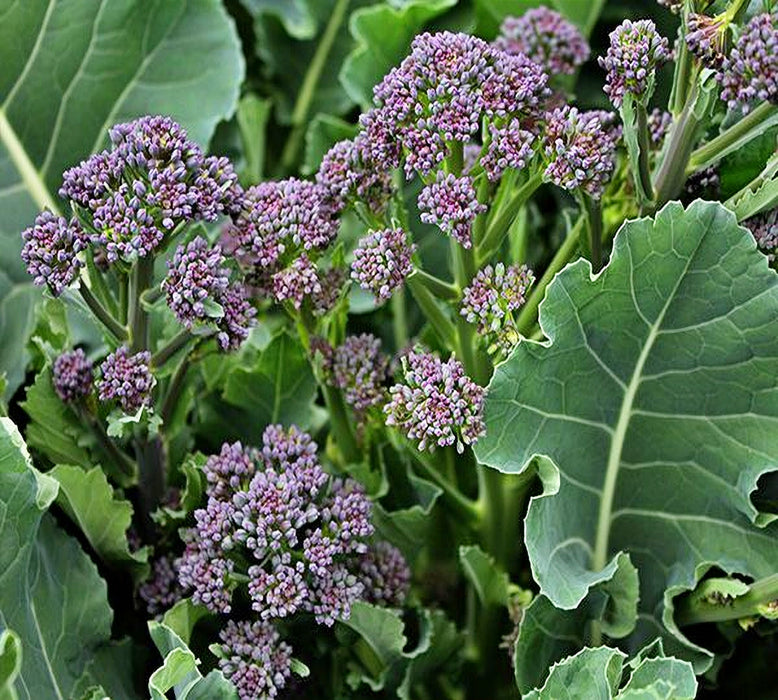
{"x": 70, "y": 70}
{"x": 656, "y": 398}
{"x": 51, "y": 595}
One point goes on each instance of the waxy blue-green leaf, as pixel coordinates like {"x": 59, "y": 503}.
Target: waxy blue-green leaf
{"x": 51, "y": 594}
{"x": 656, "y": 398}
{"x": 601, "y": 673}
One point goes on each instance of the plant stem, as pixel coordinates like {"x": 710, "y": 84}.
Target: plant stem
{"x": 432, "y": 312}
{"x": 442, "y": 290}
{"x": 341, "y": 425}
{"x": 672, "y": 170}
{"x": 174, "y": 390}
{"x": 757, "y": 121}
{"x": 644, "y": 173}
{"x": 119, "y": 466}
{"x": 460, "y": 504}
{"x": 499, "y": 228}
{"x": 399, "y": 319}
{"x": 140, "y": 279}
{"x": 593, "y": 211}
{"x": 116, "y": 329}
{"x": 179, "y": 341}
{"x": 693, "y": 611}
{"x": 529, "y": 313}
{"x": 152, "y": 460}
{"x": 302, "y": 105}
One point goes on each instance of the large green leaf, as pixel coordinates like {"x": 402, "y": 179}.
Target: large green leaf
{"x": 279, "y": 388}
{"x": 383, "y": 34}
{"x": 51, "y": 594}
{"x": 601, "y": 673}
{"x": 69, "y": 69}
{"x": 655, "y": 397}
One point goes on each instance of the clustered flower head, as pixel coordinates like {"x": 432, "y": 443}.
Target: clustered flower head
{"x": 659, "y": 121}
{"x": 347, "y": 174}
{"x": 299, "y": 537}
{"x": 636, "y": 51}
{"x": 51, "y": 248}
{"x": 545, "y": 37}
{"x": 750, "y": 72}
{"x": 153, "y": 179}
{"x": 254, "y": 658}
{"x": 72, "y": 375}
{"x": 161, "y": 591}
{"x": 386, "y": 575}
{"x": 764, "y": 228}
{"x": 492, "y": 297}
{"x": 440, "y": 93}
{"x": 706, "y": 37}
{"x": 510, "y": 146}
{"x": 126, "y": 378}
{"x": 358, "y": 367}
{"x": 581, "y": 149}
{"x": 199, "y": 290}
{"x": 436, "y": 403}
{"x": 382, "y": 261}
{"x": 451, "y": 204}
{"x": 281, "y": 229}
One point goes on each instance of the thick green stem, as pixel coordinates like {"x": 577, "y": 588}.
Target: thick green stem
{"x": 153, "y": 474}
{"x": 529, "y": 313}
{"x": 399, "y": 319}
{"x": 644, "y": 172}
{"x": 499, "y": 228}
{"x": 694, "y": 611}
{"x": 672, "y": 171}
{"x": 681, "y": 79}
{"x": 302, "y": 105}
{"x": 340, "y": 424}
{"x": 111, "y": 324}
{"x": 177, "y": 343}
{"x": 594, "y": 225}
{"x": 755, "y": 123}
{"x": 174, "y": 390}
{"x": 442, "y": 290}
{"x": 118, "y": 465}
{"x": 140, "y": 279}
{"x": 455, "y": 500}
{"x": 432, "y": 312}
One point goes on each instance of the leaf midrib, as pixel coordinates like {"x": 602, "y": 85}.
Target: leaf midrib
{"x": 602, "y": 534}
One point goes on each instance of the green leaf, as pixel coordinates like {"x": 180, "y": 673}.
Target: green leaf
{"x": 51, "y": 594}
{"x": 279, "y": 388}
{"x": 582, "y": 14}
{"x": 182, "y": 618}
{"x": 10, "y": 663}
{"x": 17, "y": 320}
{"x": 490, "y": 582}
{"x": 297, "y": 16}
{"x": 600, "y": 672}
{"x": 324, "y": 132}
{"x": 54, "y": 429}
{"x": 90, "y": 502}
{"x": 72, "y": 69}
{"x": 383, "y": 35}
{"x": 655, "y": 398}
{"x": 253, "y": 116}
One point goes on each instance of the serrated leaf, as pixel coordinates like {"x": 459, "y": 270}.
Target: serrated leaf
{"x": 51, "y": 594}
{"x": 490, "y": 582}
{"x": 53, "y": 429}
{"x": 90, "y": 502}
{"x": 279, "y": 388}
{"x": 72, "y": 69}
{"x": 383, "y": 35}
{"x": 656, "y": 398}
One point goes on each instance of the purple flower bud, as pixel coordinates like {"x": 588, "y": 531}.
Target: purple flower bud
{"x": 385, "y": 575}
{"x": 161, "y": 590}
{"x": 254, "y": 659}
{"x": 382, "y": 261}
{"x": 706, "y": 38}
{"x": 750, "y": 72}
{"x": 580, "y": 150}
{"x": 332, "y": 284}
{"x": 492, "y": 297}
{"x": 229, "y": 470}
{"x": 296, "y": 282}
{"x": 436, "y": 403}
{"x": 239, "y": 317}
{"x": 451, "y": 204}
{"x": 126, "y": 378}
{"x": 764, "y": 228}
{"x": 196, "y": 281}
{"x": 72, "y": 375}
{"x": 206, "y": 574}
{"x": 281, "y": 591}
{"x": 510, "y": 146}
{"x": 545, "y": 37}
{"x": 636, "y": 51}
{"x": 50, "y": 251}
{"x": 358, "y": 368}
